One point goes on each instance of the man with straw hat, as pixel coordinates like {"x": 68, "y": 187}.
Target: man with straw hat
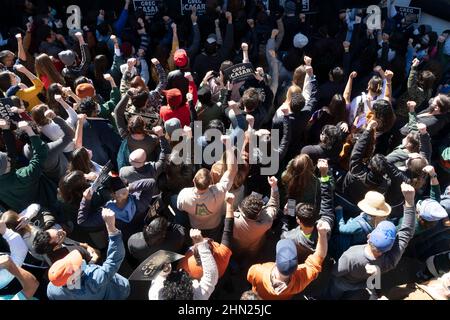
{"x": 382, "y": 252}
{"x": 374, "y": 210}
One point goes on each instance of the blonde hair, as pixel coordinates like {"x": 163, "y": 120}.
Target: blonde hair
{"x": 292, "y": 89}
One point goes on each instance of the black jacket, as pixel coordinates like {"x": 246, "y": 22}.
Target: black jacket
{"x": 359, "y": 178}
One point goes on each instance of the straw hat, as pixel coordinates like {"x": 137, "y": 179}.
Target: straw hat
{"x": 374, "y": 204}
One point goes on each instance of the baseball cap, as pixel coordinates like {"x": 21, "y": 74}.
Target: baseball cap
{"x": 286, "y": 258}
{"x": 180, "y": 58}
{"x": 431, "y": 210}
{"x": 63, "y": 269}
{"x": 383, "y": 237}
{"x": 212, "y": 38}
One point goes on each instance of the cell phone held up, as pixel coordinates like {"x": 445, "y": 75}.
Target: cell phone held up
{"x": 291, "y": 207}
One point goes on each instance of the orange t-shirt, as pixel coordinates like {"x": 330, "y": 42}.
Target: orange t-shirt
{"x": 259, "y": 275}
{"x": 221, "y": 254}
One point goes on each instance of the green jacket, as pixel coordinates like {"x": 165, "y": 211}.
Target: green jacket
{"x": 22, "y": 187}
{"x": 108, "y": 107}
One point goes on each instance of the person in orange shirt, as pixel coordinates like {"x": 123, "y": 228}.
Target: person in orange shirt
{"x": 283, "y": 279}
{"x": 191, "y": 262}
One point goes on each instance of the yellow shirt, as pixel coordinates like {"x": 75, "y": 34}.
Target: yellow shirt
{"x": 30, "y": 95}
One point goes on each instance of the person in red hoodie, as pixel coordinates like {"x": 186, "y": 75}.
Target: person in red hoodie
{"x": 175, "y": 108}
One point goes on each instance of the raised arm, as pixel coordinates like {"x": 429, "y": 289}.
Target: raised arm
{"x": 406, "y": 231}
{"x": 326, "y": 194}
{"x": 227, "y": 235}
{"x": 21, "y": 51}
{"x": 348, "y": 88}
{"x": 195, "y": 46}
{"x": 86, "y": 218}
{"x": 412, "y": 86}
{"x": 79, "y": 131}
{"x": 119, "y": 115}
{"x": 107, "y": 108}
{"x": 162, "y": 84}
{"x": 73, "y": 117}
{"x": 158, "y": 166}
{"x": 60, "y": 144}
{"x": 40, "y": 152}
{"x": 388, "y": 75}
{"x": 210, "y": 277}
{"x": 356, "y": 159}
{"x": 85, "y": 54}
{"x": 116, "y": 249}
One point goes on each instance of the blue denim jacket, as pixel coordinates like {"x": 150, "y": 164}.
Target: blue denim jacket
{"x": 98, "y": 282}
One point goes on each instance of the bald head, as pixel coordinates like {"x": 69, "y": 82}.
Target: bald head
{"x": 137, "y": 158}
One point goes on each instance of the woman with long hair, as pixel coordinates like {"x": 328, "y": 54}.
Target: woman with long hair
{"x": 82, "y": 161}
{"x": 300, "y": 182}
{"x": 46, "y": 71}
{"x": 332, "y": 114}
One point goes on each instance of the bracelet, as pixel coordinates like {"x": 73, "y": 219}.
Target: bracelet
{"x": 325, "y": 179}
{"x": 434, "y": 176}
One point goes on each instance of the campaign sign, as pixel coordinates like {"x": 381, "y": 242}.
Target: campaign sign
{"x": 5, "y": 111}
{"x": 239, "y": 72}
{"x": 149, "y": 7}
{"x": 187, "y": 4}
{"x": 410, "y": 14}
{"x": 153, "y": 265}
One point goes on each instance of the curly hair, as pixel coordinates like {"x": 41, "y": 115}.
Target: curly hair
{"x": 178, "y": 286}
{"x": 384, "y": 114}
{"x": 251, "y": 206}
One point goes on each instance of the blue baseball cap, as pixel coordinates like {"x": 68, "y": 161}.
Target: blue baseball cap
{"x": 383, "y": 237}
{"x": 431, "y": 210}
{"x": 286, "y": 260}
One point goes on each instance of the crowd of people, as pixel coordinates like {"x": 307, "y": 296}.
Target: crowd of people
{"x": 104, "y": 133}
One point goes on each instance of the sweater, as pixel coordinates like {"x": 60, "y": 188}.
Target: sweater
{"x": 30, "y": 95}
{"x": 20, "y": 188}
{"x": 55, "y": 166}
{"x": 247, "y": 233}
